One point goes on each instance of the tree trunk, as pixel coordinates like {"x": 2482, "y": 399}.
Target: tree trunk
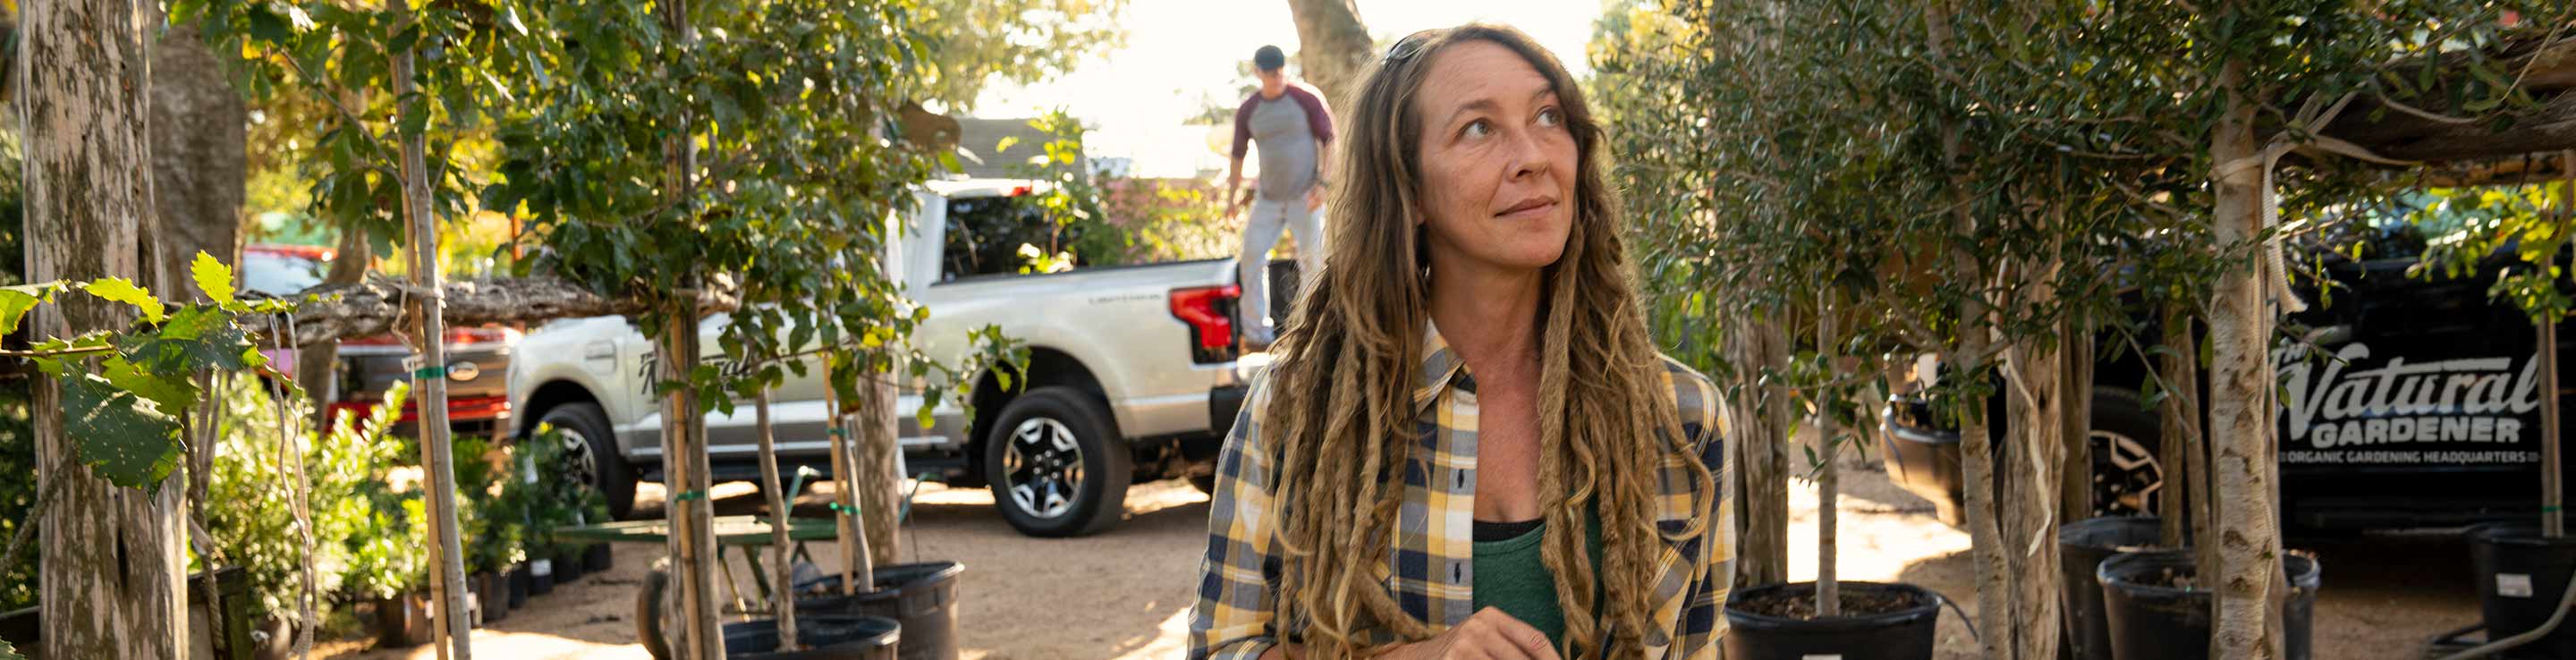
{"x": 858, "y": 566}
{"x": 684, "y": 430}
{"x": 2075, "y": 402}
{"x": 779, "y": 499}
{"x": 2240, "y": 423}
{"x": 1759, "y": 433}
{"x": 315, "y": 360}
{"x": 2186, "y": 493}
{"x": 110, "y": 585}
{"x": 879, "y": 482}
{"x": 1829, "y": 602}
{"x": 199, "y": 158}
{"x": 437, "y": 454}
{"x": 1333, "y": 46}
{"x": 1976, "y": 441}
{"x": 2027, "y": 515}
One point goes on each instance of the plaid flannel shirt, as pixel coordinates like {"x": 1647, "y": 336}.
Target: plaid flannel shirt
{"x": 1431, "y": 573}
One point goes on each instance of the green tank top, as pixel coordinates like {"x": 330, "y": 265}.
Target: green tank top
{"x": 1511, "y": 576}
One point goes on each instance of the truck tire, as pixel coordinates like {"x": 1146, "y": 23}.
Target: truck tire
{"x": 2128, "y": 476}
{"x": 590, "y": 452}
{"x": 1056, "y": 464}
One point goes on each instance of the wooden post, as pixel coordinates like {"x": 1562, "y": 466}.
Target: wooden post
{"x": 2185, "y": 509}
{"x": 2553, "y": 493}
{"x": 1829, "y": 600}
{"x": 778, "y": 510}
{"x": 684, "y": 456}
{"x": 2075, "y": 416}
{"x": 111, "y": 582}
{"x": 447, "y": 581}
{"x": 846, "y": 532}
{"x": 684, "y": 469}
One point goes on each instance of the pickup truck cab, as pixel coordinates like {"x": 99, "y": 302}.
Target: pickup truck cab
{"x": 2418, "y": 407}
{"x": 1132, "y": 374}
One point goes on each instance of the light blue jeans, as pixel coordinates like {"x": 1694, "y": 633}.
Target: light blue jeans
{"x": 1260, "y": 232}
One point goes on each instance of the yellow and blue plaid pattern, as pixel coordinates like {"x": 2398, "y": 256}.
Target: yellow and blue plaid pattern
{"x": 1430, "y": 571}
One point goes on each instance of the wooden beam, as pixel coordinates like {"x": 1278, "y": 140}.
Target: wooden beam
{"x": 376, "y": 307}
{"x": 2546, "y": 70}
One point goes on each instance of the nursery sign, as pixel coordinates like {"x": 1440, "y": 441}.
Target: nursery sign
{"x": 2354, "y": 408}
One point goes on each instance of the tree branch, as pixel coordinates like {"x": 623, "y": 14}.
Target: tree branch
{"x": 376, "y": 306}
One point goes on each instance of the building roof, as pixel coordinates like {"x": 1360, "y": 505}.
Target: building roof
{"x": 977, "y": 137}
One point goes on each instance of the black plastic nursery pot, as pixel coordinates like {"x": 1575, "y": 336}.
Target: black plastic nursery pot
{"x": 597, "y": 558}
{"x": 541, "y": 576}
{"x": 491, "y": 597}
{"x": 2521, "y": 578}
{"x": 568, "y": 567}
{"x": 403, "y": 621}
{"x": 2083, "y": 545}
{"x": 1904, "y": 634}
{"x": 825, "y": 637}
{"x": 520, "y": 584}
{"x": 923, "y": 597}
{"x": 2151, "y": 621}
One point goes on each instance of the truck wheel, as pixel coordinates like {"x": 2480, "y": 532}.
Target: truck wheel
{"x": 1056, "y": 464}
{"x": 590, "y": 454}
{"x": 2128, "y": 476}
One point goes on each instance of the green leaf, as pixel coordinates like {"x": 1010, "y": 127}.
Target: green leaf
{"x": 213, "y": 278}
{"x": 118, "y": 289}
{"x": 195, "y": 338}
{"x": 14, "y": 303}
{"x": 123, "y": 440}
{"x": 8, "y": 652}
{"x": 171, "y": 393}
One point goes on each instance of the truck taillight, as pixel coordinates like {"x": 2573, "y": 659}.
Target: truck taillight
{"x": 1209, "y": 313}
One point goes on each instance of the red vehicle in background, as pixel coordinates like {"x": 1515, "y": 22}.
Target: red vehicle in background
{"x": 478, "y": 359}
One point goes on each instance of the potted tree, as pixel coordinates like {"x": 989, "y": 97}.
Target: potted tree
{"x": 1830, "y": 617}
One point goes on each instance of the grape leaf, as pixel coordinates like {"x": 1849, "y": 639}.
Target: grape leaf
{"x": 118, "y": 289}
{"x": 122, "y": 440}
{"x": 214, "y": 278}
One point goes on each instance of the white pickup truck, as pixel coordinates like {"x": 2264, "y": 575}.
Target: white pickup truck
{"x": 1132, "y": 374}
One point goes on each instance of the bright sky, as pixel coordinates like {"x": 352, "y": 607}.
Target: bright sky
{"x": 1182, "y": 53}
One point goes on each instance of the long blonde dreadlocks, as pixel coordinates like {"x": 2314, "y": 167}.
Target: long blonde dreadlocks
{"x": 1340, "y": 406}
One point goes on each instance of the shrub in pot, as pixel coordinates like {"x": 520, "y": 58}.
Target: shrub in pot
{"x": 551, "y": 502}
{"x": 251, "y": 499}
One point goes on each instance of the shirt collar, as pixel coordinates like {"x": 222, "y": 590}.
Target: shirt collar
{"x": 1440, "y": 365}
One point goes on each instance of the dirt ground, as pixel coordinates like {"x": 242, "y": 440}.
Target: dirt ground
{"x": 1126, "y": 594}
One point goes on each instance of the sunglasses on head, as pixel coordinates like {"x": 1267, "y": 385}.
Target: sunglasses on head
{"x": 1410, "y": 45}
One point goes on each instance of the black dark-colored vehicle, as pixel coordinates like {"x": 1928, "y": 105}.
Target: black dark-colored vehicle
{"x": 2423, "y": 410}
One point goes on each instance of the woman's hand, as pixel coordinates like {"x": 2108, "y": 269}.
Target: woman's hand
{"x": 1489, "y": 634}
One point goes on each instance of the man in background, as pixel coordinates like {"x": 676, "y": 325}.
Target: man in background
{"x": 1295, "y": 132}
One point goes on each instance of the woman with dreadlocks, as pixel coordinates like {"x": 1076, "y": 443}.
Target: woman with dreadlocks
{"x": 1469, "y": 447}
